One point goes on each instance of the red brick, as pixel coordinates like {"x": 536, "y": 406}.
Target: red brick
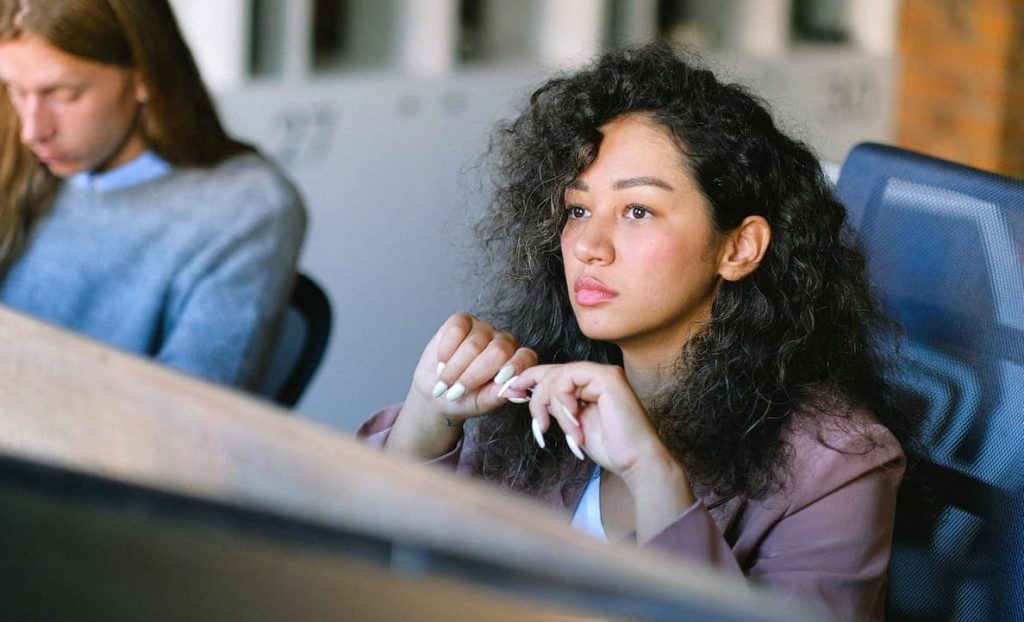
{"x": 961, "y": 81}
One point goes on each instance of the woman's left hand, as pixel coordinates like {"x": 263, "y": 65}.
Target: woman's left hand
{"x": 596, "y": 407}
{"x": 599, "y": 412}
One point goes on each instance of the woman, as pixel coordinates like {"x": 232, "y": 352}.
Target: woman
{"x": 711, "y": 383}
{"x": 128, "y": 214}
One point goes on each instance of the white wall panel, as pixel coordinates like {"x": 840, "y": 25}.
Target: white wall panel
{"x": 382, "y": 164}
{"x": 217, "y": 33}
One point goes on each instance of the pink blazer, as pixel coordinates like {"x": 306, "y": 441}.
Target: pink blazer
{"x": 825, "y": 536}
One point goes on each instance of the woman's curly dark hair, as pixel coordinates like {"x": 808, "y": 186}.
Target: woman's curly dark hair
{"x": 802, "y": 335}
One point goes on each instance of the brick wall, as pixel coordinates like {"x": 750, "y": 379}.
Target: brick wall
{"x": 961, "y": 81}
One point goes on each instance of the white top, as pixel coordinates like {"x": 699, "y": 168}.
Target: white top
{"x": 587, "y": 517}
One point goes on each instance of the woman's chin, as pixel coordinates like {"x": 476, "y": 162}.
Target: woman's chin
{"x": 600, "y": 333}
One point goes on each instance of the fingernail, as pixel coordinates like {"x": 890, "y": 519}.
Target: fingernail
{"x": 573, "y": 447}
{"x": 440, "y": 367}
{"x": 507, "y": 384}
{"x": 565, "y": 411}
{"x": 505, "y": 373}
{"x": 454, "y": 393}
{"x": 568, "y": 415}
{"x": 519, "y": 400}
{"x": 439, "y": 388}
{"x": 538, "y": 435}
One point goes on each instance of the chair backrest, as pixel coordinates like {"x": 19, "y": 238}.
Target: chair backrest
{"x": 1007, "y": 546}
{"x": 300, "y": 344}
{"x": 945, "y": 247}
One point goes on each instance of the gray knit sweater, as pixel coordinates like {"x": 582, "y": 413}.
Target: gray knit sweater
{"x": 193, "y": 268}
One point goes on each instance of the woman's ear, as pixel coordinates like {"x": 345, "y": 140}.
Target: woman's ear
{"x": 744, "y": 248}
{"x": 141, "y": 89}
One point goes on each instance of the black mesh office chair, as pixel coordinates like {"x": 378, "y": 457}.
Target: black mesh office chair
{"x": 945, "y": 246}
{"x": 301, "y": 341}
{"x": 1006, "y": 542}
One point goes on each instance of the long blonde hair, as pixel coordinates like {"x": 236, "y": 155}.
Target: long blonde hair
{"x": 179, "y": 121}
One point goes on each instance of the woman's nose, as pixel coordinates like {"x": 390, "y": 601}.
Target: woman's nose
{"x": 593, "y": 242}
{"x": 37, "y": 122}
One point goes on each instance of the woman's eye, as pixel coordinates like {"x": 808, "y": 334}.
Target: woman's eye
{"x": 66, "y": 95}
{"x": 575, "y": 211}
{"x": 638, "y": 212}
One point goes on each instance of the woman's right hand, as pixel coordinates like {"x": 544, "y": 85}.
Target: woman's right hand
{"x": 460, "y": 375}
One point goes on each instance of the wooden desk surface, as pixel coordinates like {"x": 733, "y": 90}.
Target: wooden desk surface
{"x": 70, "y": 402}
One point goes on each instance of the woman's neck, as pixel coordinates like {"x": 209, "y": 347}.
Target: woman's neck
{"x": 646, "y": 376}
{"x": 649, "y": 362}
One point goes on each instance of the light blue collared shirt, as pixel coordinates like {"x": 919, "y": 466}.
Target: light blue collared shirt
{"x": 146, "y": 167}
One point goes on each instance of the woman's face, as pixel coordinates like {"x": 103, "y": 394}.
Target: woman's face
{"x": 75, "y": 114}
{"x": 641, "y": 253}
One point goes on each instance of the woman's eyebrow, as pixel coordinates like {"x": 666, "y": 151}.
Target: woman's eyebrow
{"x": 633, "y": 182}
{"x": 622, "y": 184}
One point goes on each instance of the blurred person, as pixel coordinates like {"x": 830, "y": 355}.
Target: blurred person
{"x": 690, "y": 358}
{"x": 128, "y": 213}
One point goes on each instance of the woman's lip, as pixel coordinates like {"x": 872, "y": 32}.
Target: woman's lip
{"x": 590, "y": 291}
{"x": 48, "y": 158}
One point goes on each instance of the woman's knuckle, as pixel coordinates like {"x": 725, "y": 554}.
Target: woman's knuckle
{"x": 478, "y": 342}
{"x": 506, "y": 342}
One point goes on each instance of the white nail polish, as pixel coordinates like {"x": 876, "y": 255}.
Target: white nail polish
{"x": 504, "y": 374}
{"x": 439, "y": 388}
{"x": 568, "y": 415}
{"x": 458, "y": 390}
{"x": 508, "y": 383}
{"x": 440, "y": 367}
{"x": 519, "y": 400}
{"x": 573, "y": 447}
{"x": 537, "y": 434}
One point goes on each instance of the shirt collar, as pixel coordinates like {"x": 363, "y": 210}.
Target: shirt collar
{"x": 143, "y": 168}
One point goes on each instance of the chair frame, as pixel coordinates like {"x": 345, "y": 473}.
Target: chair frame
{"x": 310, "y": 301}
